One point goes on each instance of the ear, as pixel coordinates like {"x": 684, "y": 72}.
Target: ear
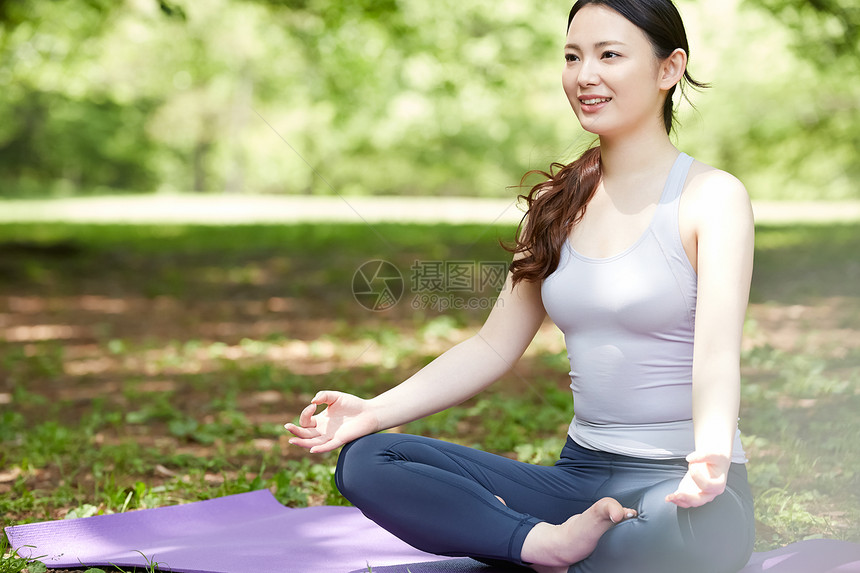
{"x": 672, "y": 69}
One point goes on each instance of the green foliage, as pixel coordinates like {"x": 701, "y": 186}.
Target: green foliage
{"x": 822, "y": 29}
{"x": 790, "y": 513}
{"x": 96, "y": 143}
{"x": 12, "y": 562}
{"x": 443, "y": 97}
{"x": 541, "y": 452}
{"x": 152, "y": 566}
{"x": 788, "y": 123}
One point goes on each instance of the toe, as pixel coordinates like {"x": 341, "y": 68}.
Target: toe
{"x": 610, "y": 509}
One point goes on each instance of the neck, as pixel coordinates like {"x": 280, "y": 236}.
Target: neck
{"x": 636, "y": 155}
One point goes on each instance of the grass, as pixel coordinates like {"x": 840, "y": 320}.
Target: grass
{"x": 148, "y": 366}
{"x": 12, "y": 562}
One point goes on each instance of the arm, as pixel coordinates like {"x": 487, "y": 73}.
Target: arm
{"x": 470, "y": 366}
{"x": 723, "y": 220}
{"x": 452, "y": 378}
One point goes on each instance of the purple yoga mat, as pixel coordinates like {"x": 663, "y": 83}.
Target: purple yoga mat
{"x": 252, "y": 532}
{"x": 244, "y": 533}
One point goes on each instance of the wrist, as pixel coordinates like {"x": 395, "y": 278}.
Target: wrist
{"x": 716, "y": 466}
{"x": 377, "y": 411}
{"x": 709, "y": 457}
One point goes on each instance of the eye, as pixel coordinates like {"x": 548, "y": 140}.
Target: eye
{"x": 571, "y": 58}
{"x": 611, "y": 55}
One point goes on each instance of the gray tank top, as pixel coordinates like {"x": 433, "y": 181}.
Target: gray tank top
{"x": 628, "y": 322}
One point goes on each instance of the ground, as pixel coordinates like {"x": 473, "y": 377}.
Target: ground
{"x": 142, "y": 366}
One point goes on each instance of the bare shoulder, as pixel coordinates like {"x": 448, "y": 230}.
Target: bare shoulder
{"x": 712, "y": 194}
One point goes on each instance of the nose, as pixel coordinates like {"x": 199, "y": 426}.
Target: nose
{"x": 588, "y": 74}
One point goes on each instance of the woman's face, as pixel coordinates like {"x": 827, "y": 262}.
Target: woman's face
{"x": 611, "y": 76}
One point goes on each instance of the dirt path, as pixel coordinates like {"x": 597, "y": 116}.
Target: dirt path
{"x": 240, "y": 209}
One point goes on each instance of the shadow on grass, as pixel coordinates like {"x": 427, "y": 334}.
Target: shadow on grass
{"x": 146, "y": 365}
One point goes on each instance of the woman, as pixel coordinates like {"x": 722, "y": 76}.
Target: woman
{"x": 649, "y": 284}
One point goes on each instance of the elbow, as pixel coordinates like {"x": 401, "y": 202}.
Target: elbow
{"x": 500, "y": 353}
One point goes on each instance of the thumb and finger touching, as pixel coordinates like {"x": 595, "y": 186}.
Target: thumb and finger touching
{"x": 306, "y": 418}
{"x": 704, "y": 481}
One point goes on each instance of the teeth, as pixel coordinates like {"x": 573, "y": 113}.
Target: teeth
{"x": 595, "y": 101}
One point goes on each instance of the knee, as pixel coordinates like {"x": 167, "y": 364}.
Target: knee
{"x": 648, "y": 543}
{"x": 666, "y": 538}
{"x": 713, "y": 531}
{"x": 652, "y": 505}
{"x": 355, "y": 463}
{"x": 648, "y": 532}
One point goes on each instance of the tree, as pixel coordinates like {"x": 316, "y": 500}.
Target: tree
{"x": 823, "y": 29}
{"x": 389, "y": 96}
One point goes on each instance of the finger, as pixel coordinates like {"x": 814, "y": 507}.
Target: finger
{"x": 306, "y": 417}
{"x": 324, "y": 397}
{"x": 687, "y": 500}
{"x": 302, "y": 443}
{"x": 326, "y": 447}
{"x": 309, "y": 443}
{"x": 679, "y": 499}
{"x": 708, "y": 485}
{"x": 300, "y": 432}
{"x": 703, "y": 478}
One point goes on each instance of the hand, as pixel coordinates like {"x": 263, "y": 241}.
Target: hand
{"x": 705, "y": 480}
{"x": 345, "y": 418}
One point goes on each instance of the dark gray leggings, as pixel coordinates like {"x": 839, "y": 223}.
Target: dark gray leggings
{"x": 440, "y": 498}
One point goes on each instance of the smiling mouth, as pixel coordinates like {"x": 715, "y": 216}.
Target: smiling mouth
{"x": 595, "y": 100}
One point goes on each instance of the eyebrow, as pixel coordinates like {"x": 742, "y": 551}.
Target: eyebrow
{"x": 602, "y": 44}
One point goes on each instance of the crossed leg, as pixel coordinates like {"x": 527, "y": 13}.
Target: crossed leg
{"x": 451, "y": 500}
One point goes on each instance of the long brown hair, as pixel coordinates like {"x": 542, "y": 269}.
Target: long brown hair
{"x": 556, "y": 204}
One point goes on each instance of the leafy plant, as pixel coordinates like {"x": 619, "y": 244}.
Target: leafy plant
{"x": 12, "y": 562}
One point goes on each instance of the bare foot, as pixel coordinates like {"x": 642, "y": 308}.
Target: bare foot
{"x": 553, "y": 548}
